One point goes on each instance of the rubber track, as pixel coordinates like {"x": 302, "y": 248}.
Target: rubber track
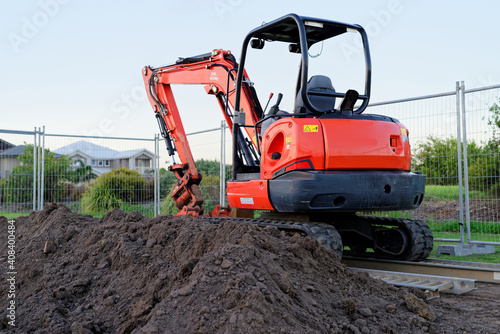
{"x": 418, "y": 233}
{"x": 326, "y": 234}
{"x": 423, "y": 240}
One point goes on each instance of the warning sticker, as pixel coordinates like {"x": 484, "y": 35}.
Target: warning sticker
{"x": 246, "y": 200}
{"x": 404, "y": 134}
{"x": 288, "y": 140}
{"x": 310, "y": 128}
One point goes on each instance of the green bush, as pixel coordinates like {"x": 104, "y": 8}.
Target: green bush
{"x": 484, "y": 172}
{"x": 437, "y": 160}
{"x": 113, "y": 189}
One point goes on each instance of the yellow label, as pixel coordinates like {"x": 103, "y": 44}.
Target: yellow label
{"x": 403, "y": 131}
{"x": 310, "y": 128}
{"x": 288, "y": 140}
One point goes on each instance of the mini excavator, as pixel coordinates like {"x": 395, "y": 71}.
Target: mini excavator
{"x": 311, "y": 170}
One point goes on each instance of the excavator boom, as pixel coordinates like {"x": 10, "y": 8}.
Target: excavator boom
{"x": 217, "y": 72}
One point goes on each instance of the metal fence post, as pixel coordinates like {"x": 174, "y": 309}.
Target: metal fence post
{"x": 222, "y": 173}
{"x": 42, "y": 177}
{"x": 39, "y": 168}
{"x": 459, "y": 160}
{"x": 156, "y": 168}
{"x": 155, "y": 179}
{"x": 466, "y": 167}
{"x": 158, "y": 212}
{"x": 35, "y": 148}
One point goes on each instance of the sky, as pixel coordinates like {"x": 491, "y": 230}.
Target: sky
{"x": 74, "y": 66}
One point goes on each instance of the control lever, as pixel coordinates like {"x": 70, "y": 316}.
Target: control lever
{"x": 274, "y": 109}
{"x": 270, "y": 97}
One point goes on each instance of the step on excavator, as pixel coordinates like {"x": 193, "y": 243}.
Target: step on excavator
{"x": 311, "y": 170}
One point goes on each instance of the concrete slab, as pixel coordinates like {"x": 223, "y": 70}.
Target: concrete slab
{"x": 464, "y": 250}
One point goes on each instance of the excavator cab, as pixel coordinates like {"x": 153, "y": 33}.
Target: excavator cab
{"x": 301, "y": 34}
{"x": 324, "y": 156}
{"x": 314, "y": 95}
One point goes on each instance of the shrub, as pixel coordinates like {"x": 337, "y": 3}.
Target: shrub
{"x": 113, "y": 189}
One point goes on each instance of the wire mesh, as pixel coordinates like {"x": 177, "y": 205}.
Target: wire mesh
{"x": 17, "y": 194}
{"x": 206, "y": 149}
{"x": 482, "y": 114}
{"x": 432, "y": 124}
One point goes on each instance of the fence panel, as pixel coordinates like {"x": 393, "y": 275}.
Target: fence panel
{"x": 482, "y": 114}
{"x": 18, "y": 169}
{"x": 433, "y": 126}
{"x": 93, "y": 175}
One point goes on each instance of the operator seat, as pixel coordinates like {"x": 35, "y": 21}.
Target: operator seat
{"x": 319, "y": 84}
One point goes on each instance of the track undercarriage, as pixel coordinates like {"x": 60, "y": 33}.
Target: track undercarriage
{"x": 387, "y": 238}
{"x": 354, "y": 235}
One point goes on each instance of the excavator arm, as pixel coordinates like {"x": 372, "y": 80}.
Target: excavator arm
{"x": 217, "y": 72}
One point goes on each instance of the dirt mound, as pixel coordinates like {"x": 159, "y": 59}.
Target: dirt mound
{"x": 126, "y": 273}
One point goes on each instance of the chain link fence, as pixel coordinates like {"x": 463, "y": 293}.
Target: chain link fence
{"x": 90, "y": 175}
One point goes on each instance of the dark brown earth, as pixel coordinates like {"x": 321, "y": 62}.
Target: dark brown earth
{"x": 442, "y": 210}
{"x": 126, "y": 273}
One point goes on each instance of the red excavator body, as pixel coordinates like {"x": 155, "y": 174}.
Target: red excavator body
{"x": 323, "y": 161}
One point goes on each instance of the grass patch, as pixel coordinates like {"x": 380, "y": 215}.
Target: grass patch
{"x": 13, "y": 215}
{"x": 450, "y": 192}
{"x": 485, "y": 258}
{"x": 475, "y": 227}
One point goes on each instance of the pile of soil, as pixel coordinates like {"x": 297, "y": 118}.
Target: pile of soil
{"x": 126, "y": 273}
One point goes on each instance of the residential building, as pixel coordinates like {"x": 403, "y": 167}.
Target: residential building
{"x": 103, "y": 159}
{"x": 8, "y": 158}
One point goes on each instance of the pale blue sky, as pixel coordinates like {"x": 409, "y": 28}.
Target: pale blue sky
{"x": 75, "y": 66}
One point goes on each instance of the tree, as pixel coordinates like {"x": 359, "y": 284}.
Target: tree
{"x": 83, "y": 173}
{"x": 484, "y": 172}
{"x": 494, "y": 119}
{"x": 437, "y": 160}
{"x": 487, "y": 170}
{"x": 18, "y": 188}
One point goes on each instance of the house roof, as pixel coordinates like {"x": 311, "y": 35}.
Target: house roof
{"x": 131, "y": 153}
{"x": 90, "y": 149}
{"x": 13, "y": 152}
{"x": 99, "y": 152}
{"x": 5, "y": 145}
{"x": 19, "y": 150}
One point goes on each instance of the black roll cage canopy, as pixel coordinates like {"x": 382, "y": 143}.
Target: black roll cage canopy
{"x": 302, "y": 32}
